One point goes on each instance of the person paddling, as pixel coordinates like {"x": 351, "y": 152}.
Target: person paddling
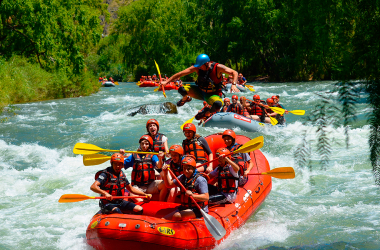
{"x": 242, "y": 159}
{"x": 227, "y": 173}
{"x": 269, "y": 112}
{"x": 197, "y": 146}
{"x": 256, "y": 109}
{"x": 143, "y": 169}
{"x": 208, "y": 85}
{"x": 196, "y": 186}
{"x": 113, "y": 182}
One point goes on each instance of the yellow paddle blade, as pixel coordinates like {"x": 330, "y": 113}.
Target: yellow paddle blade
{"x": 251, "y": 89}
{"x": 188, "y": 121}
{"x": 86, "y": 149}
{"x": 273, "y": 120}
{"x": 138, "y": 83}
{"x": 116, "y": 83}
{"x": 95, "y": 159}
{"x": 158, "y": 69}
{"x": 278, "y": 110}
{"x": 155, "y": 90}
{"x": 281, "y": 173}
{"x": 74, "y": 198}
{"x": 297, "y": 112}
{"x": 251, "y": 145}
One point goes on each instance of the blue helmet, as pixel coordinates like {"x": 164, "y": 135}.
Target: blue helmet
{"x": 201, "y": 59}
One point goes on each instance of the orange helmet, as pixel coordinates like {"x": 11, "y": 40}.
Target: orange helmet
{"x": 204, "y": 103}
{"x": 227, "y": 99}
{"x": 235, "y": 97}
{"x": 274, "y": 97}
{"x": 189, "y": 127}
{"x": 148, "y": 138}
{"x": 270, "y": 100}
{"x": 117, "y": 157}
{"x": 257, "y": 97}
{"x": 152, "y": 121}
{"x": 230, "y": 133}
{"x": 223, "y": 151}
{"x": 149, "y": 76}
{"x": 189, "y": 160}
{"x": 176, "y": 149}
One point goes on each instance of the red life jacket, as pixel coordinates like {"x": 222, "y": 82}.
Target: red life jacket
{"x": 208, "y": 81}
{"x": 193, "y": 147}
{"x": 245, "y": 112}
{"x": 114, "y": 185}
{"x": 189, "y": 184}
{"x": 158, "y": 145}
{"x": 236, "y": 108}
{"x": 224, "y": 109}
{"x": 143, "y": 171}
{"x": 226, "y": 181}
{"x": 238, "y": 158}
{"x": 256, "y": 110}
{"x": 177, "y": 170}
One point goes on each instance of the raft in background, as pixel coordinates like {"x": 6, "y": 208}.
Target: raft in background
{"x": 108, "y": 84}
{"x": 148, "y": 84}
{"x": 240, "y": 87}
{"x": 149, "y": 231}
{"x": 232, "y": 120}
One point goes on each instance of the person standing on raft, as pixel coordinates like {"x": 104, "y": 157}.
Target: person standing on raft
{"x": 113, "y": 182}
{"x": 208, "y": 85}
{"x": 196, "y": 186}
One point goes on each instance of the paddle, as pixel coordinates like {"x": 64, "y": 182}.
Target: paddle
{"x": 95, "y": 159}
{"x": 250, "y": 87}
{"x": 273, "y": 120}
{"x": 188, "y": 121}
{"x": 275, "y": 109}
{"x": 66, "y": 198}
{"x": 248, "y": 147}
{"x": 86, "y": 149}
{"x": 281, "y": 173}
{"x": 213, "y": 225}
{"x": 116, "y": 83}
{"x": 163, "y": 87}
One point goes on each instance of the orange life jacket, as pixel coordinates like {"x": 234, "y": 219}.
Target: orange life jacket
{"x": 158, "y": 145}
{"x": 177, "y": 170}
{"x": 114, "y": 185}
{"x": 193, "y": 147}
{"x": 236, "y": 108}
{"x": 189, "y": 184}
{"x": 143, "y": 171}
{"x": 256, "y": 110}
{"x": 226, "y": 181}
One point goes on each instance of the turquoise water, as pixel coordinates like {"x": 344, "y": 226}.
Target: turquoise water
{"x": 336, "y": 208}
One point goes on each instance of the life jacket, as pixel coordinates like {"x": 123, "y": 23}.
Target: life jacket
{"x": 241, "y": 81}
{"x": 208, "y": 81}
{"x": 245, "y": 111}
{"x": 143, "y": 171}
{"x": 224, "y": 109}
{"x": 236, "y": 108}
{"x": 226, "y": 181}
{"x": 189, "y": 184}
{"x": 238, "y": 158}
{"x": 193, "y": 147}
{"x": 158, "y": 145}
{"x": 114, "y": 185}
{"x": 256, "y": 110}
{"x": 176, "y": 168}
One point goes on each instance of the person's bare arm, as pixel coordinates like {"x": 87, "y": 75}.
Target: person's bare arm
{"x": 185, "y": 72}
{"x": 224, "y": 69}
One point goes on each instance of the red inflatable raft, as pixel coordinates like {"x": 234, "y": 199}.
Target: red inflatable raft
{"x": 170, "y": 86}
{"x": 148, "y": 84}
{"x": 149, "y": 231}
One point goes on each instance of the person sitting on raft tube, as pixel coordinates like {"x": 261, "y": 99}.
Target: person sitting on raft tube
{"x": 154, "y": 77}
{"x": 196, "y": 186}
{"x": 160, "y": 141}
{"x": 242, "y": 159}
{"x": 227, "y": 103}
{"x": 143, "y": 169}
{"x": 244, "y": 104}
{"x": 198, "y": 147}
{"x": 235, "y": 107}
{"x": 227, "y": 173}
{"x": 176, "y": 153}
{"x": 113, "y": 182}
{"x": 208, "y": 85}
{"x": 256, "y": 109}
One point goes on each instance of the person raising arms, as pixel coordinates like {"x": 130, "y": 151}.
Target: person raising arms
{"x": 195, "y": 184}
{"x": 111, "y": 182}
{"x": 198, "y": 147}
{"x": 208, "y": 85}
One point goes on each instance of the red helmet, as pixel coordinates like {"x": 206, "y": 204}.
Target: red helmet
{"x": 190, "y": 127}
{"x": 227, "y": 99}
{"x": 274, "y": 97}
{"x": 148, "y": 138}
{"x": 177, "y": 149}
{"x": 117, "y": 157}
{"x": 149, "y": 76}
{"x": 223, "y": 151}
{"x": 189, "y": 160}
{"x": 235, "y": 97}
{"x": 242, "y": 98}
{"x": 270, "y": 100}
{"x": 230, "y": 133}
{"x": 152, "y": 121}
{"x": 257, "y": 97}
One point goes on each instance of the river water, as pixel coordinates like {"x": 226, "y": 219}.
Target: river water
{"x": 336, "y": 208}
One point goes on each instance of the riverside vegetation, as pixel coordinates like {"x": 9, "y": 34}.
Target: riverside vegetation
{"x": 284, "y": 40}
